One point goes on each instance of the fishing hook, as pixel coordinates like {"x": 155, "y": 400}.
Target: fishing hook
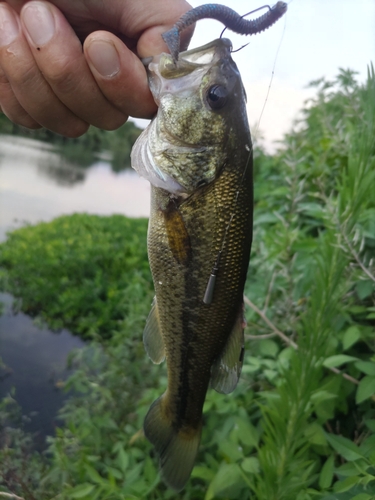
{"x": 242, "y": 47}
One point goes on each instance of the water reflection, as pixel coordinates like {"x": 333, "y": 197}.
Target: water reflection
{"x": 36, "y": 184}
{"x": 35, "y": 363}
{"x": 63, "y": 174}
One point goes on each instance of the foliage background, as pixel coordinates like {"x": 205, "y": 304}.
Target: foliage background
{"x": 301, "y": 424}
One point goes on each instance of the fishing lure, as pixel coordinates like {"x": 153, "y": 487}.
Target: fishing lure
{"x": 230, "y": 18}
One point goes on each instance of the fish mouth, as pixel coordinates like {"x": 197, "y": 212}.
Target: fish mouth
{"x": 206, "y": 54}
{"x": 167, "y": 76}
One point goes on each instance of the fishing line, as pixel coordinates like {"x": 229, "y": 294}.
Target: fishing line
{"x": 271, "y": 80}
{"x": 209, "y": 292}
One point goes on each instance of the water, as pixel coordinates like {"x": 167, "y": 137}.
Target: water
{"x": 36, "y": 184}
{"x": 35, "y": 365}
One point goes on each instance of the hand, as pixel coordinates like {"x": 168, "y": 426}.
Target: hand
{"x": 47, "y": 80}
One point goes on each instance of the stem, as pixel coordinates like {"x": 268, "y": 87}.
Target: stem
{"x": 286, "y": 339}
{"x": 356, "y": 256}
{"x": 270, "y": 287}
{"x": 260, "y": 337}
{"x": 270, "y": 324}
{"x": 10, "y": 495}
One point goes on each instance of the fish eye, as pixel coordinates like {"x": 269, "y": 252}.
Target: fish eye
{"x": 217, "y": 96}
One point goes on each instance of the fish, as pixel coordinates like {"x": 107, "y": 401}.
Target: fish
{"x": 197, "y": 156}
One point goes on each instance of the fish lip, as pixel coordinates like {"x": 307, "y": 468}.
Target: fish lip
{"x": 219, "y": 44}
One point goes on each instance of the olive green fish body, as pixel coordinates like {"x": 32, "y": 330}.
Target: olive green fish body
{"x": 200, "y": 225}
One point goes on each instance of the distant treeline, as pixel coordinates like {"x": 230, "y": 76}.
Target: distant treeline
{"x": 84, "y": 149}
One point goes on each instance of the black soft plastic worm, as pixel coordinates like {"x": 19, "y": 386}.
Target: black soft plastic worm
{"x": 225, "y": 15}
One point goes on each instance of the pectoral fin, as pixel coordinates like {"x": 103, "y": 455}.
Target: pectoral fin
{"x": 178, "y": 236}
{"x": 226, "y": 370}
{"x": 152, "y": 337}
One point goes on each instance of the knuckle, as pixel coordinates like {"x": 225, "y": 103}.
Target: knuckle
{"x": 23, "y": 76}
{"x": 62, "y": 76}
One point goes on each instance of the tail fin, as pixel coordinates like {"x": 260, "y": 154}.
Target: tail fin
{"x": 177, "y": 448}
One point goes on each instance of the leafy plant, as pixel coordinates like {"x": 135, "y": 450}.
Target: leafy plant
{"x": 81, "y": 272}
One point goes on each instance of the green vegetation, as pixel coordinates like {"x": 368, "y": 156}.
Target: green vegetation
{"x": 81, "y": 272}
{"x": 83, "y": 150}
{"x": 301, "y": 424}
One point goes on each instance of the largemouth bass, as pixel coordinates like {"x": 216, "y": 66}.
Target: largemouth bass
{"x": 197, "y": 155}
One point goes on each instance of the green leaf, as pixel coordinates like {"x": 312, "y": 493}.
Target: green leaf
{"x": 227, "y": 479}
{"x": 338, "y": 360}
{"x": 122, "y": 459}
{"x": 364, "y": 289}
{"x": 326, "y": 474}
{"x": 114, "y": 473}
{"x": 250, "y": 465}
{"x": 315, "y": 434}
{"x": 321, "y": 396}
{"x": 93, "y": 474}
{"x": 265, "y": 218}
{"x": 346, "y": 484}
{"x": 362, "y": 496}
{"x": 268, "y": 348}
{"x": 344, "y": 447}
{"x": 81, "y": 491}
{"x": 351, "y": 336}
{"x": 247, "y": 433}
{"x": 348, "y": 469}
{"x": 203, "y": 472}
{"x": 231, "y": 451}
{"x": 366, "y": 367}
{"x": 370, "y": 424}
{"x": 365, "y": 389}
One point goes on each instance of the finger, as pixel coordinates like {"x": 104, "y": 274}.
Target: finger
{"x": 9, "y": 31}
{"x": 11, "y": 108}
{"x": 158, "y": 22}
{"x": 120, "y": 74}
{"x": 58, "y": 54}
{"x": 29, "y": 87}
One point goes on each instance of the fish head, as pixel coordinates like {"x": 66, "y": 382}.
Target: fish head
{"x": 201, "y": 109}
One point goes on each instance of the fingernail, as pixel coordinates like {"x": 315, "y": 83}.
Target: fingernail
{"x": 9, "y": 27}
{"x": 104, "y": 57}
{"x": 39, "y": 22}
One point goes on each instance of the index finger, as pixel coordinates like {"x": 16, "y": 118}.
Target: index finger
{"x": 119, "y": 74}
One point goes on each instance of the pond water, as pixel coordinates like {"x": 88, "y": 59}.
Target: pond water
{"x": 36, "y": 184}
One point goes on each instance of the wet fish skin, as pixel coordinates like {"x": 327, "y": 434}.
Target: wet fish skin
{"x": 198, "y": 160}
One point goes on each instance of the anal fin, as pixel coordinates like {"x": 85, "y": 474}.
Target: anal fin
{"x": 226, "y": 370}
{"x": 152, "y": 337}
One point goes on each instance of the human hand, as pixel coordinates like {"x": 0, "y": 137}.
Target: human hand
{"x": 47, "y": 80}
